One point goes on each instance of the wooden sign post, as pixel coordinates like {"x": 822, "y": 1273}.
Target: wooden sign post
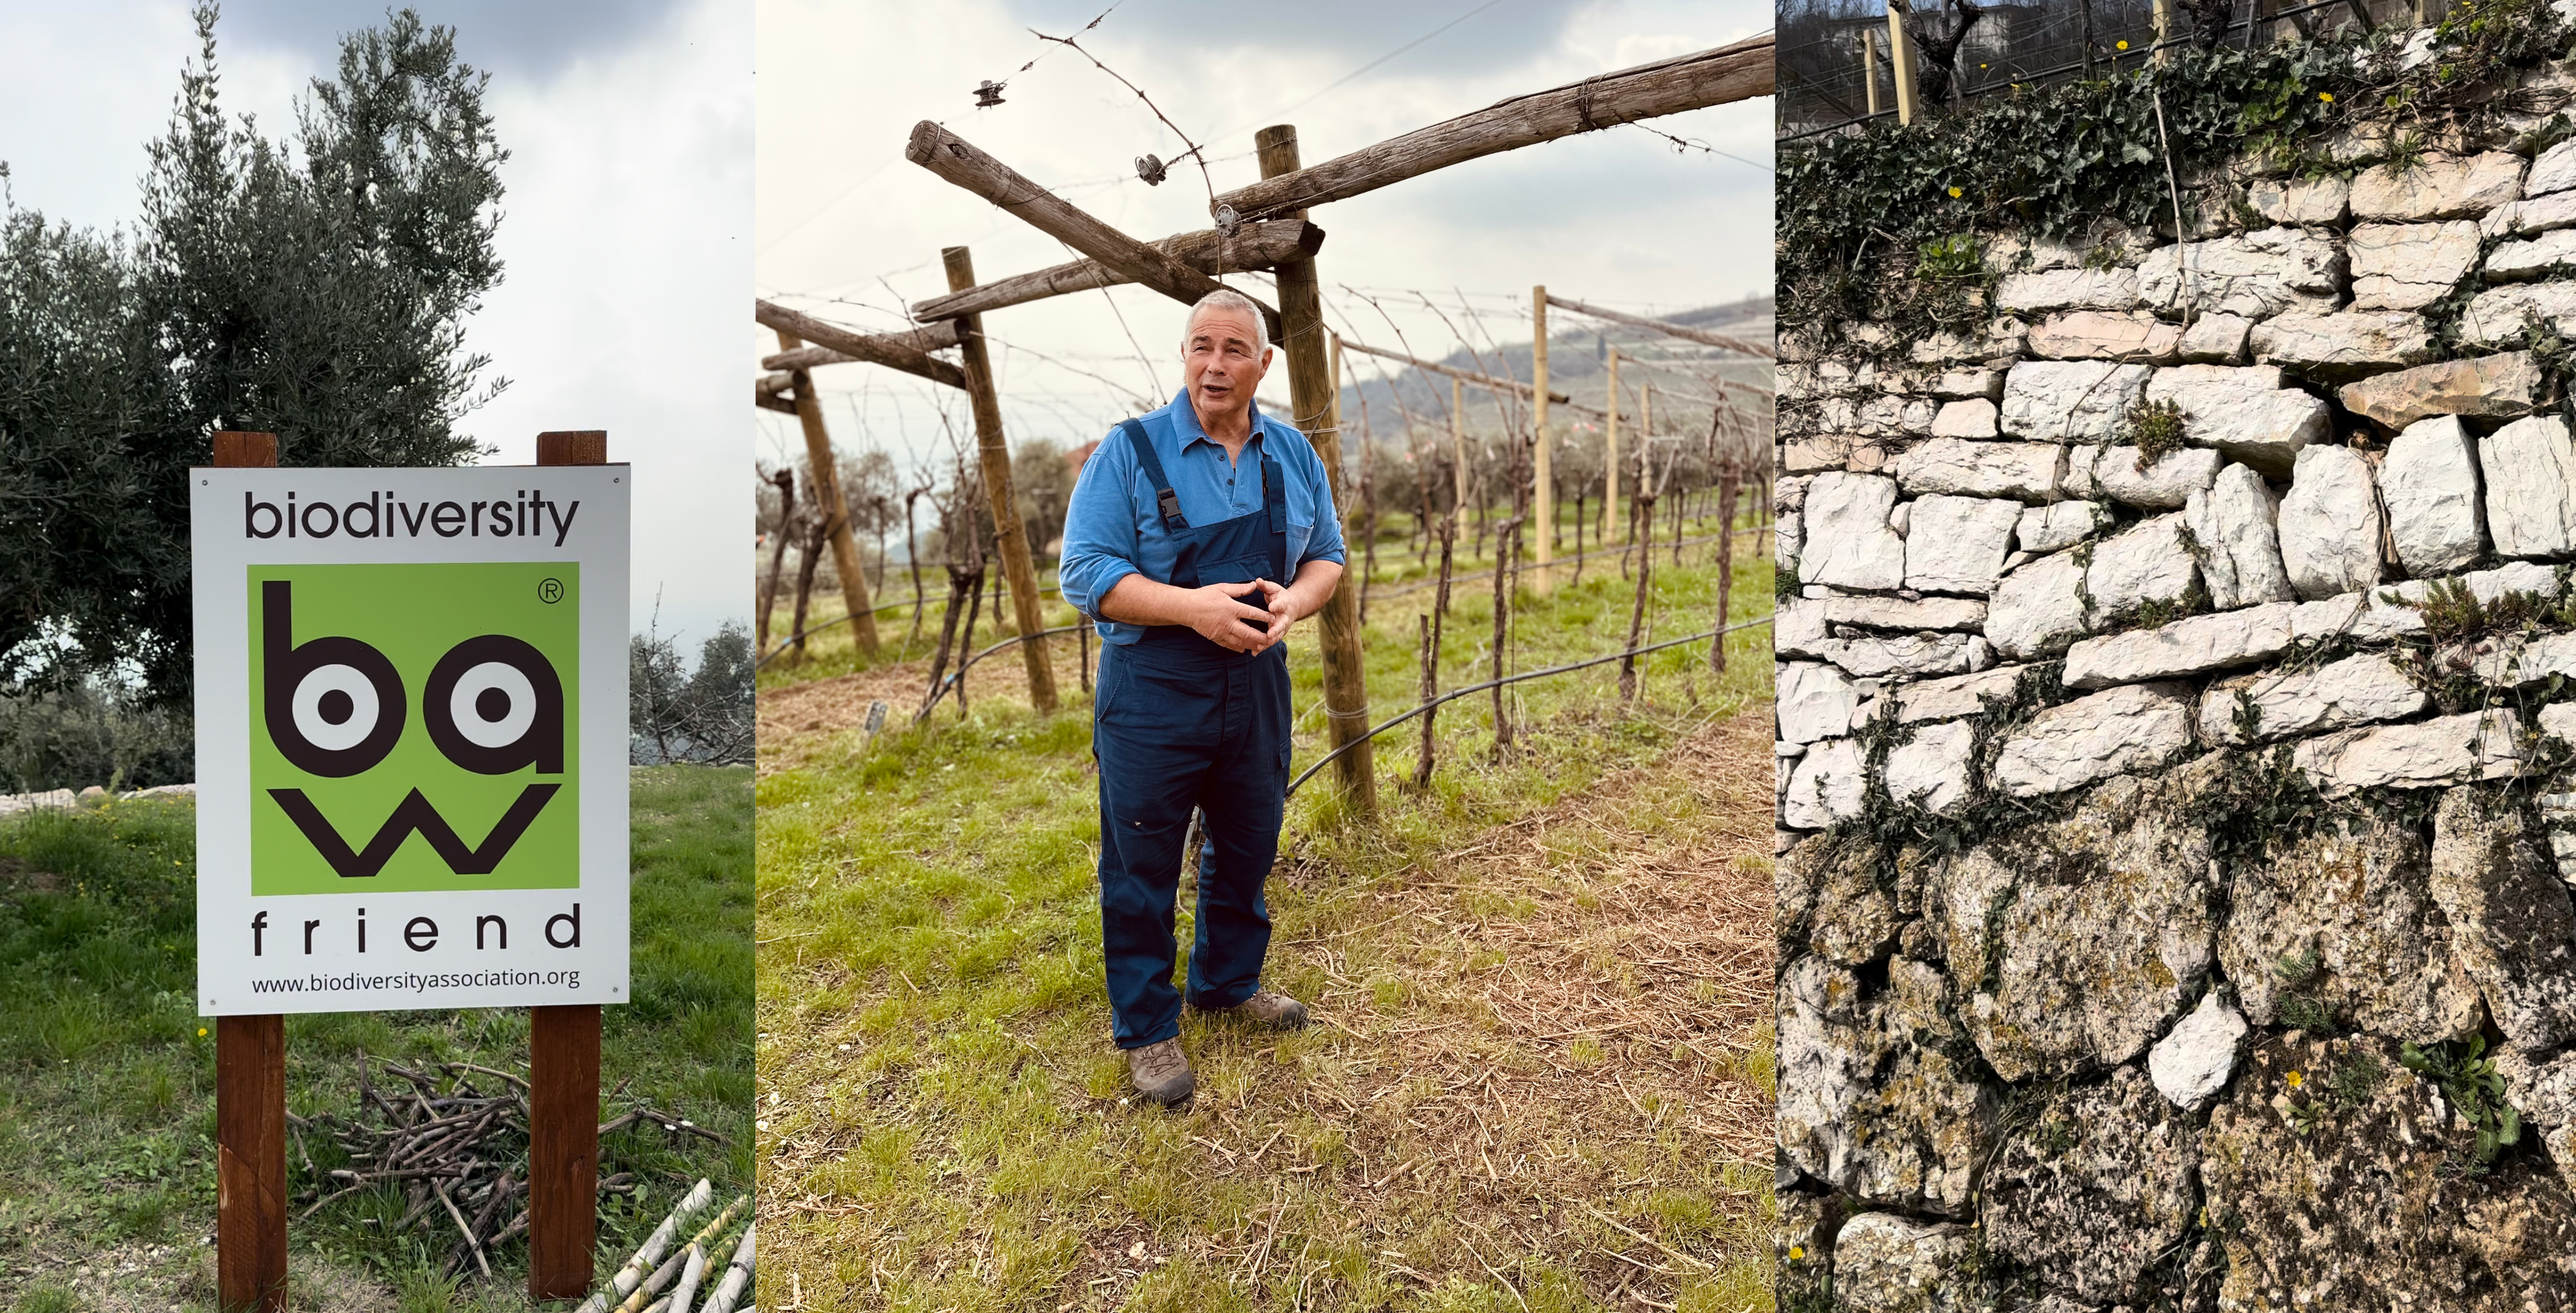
{"x": 563, "y": 1068}
{"x": 250, "y": 1094}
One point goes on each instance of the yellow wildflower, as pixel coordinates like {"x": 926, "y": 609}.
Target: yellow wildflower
{"x": 201, "y": 1032}
{"x": 2124, "y": 45}
{"x": 1954, "y": 193}
{"x": 1797, "y": 1252}
{"x": 2296, "y": 1080}
{"x": 2326, "y": 96}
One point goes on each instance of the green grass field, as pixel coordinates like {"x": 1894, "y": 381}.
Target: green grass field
{"x": 1539, "y": 1077}
{"x": 107, "y": 1177}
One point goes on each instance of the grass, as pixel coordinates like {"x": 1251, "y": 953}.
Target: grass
{"x": 1539, "y": 1076}
{"x": 107, "y": 1178}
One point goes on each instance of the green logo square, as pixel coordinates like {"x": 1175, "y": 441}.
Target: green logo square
{"x": 414, "y": 727}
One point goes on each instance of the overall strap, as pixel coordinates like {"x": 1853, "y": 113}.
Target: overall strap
{"x": 1274, "y": 494}
{"x": 1165, "y": 500}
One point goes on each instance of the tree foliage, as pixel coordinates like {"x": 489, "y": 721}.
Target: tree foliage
{"x": 676, "y": 715}
{"x": 314, "y": 286}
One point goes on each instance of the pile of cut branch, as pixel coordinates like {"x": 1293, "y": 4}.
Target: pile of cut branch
{"x": 454, "y": 1139}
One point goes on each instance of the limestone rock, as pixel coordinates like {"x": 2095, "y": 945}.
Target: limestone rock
{"x": 2233, "y": 524}
{"x": 1814, "y": 701}
{"x": 2086, "y": 937}
{"x": 2245, "y": 413}
{"x": 2489, "y": 387}
{"x": 2067, "y": 289}
{"x": 1957, "y": 544}
{"x": 2511, "y": 923}
{"x": 1849, "y": 543}
{"x": 1870, "y": 1102}
{"x": 2135, "y": 335}
{"x": 2070, "y": 400}
{"x": 1830, "y": 901}
{"x": 2146, "y": 562}
{"x": 2329, "y": 523}
{"x": 2447, "y": 749}
{"x": 2429, "y": 483}
{"x": 2117, "y": 473}
{"x": 2216, "y": 339}
{"x": 2038, "y": 609}
{"x": 1972, "y": 418}
{"x": 1788, "y": 534}
{"x": 1874, "y": 611}
{"x": 2096, "y": 1190}
{"x": 2347, "y": 344}
{"x": 2345, "y": 920}
{"x": 1932, "y": 769}
{"x": 1827, "y": 785}
{"x": 1914, "y": 656}
{"x": 2370, "y": 1209}
{"x": 2192, "y": 1062}
{"x": 2553, "y": 171}
{"x": 2195, "y": 645}
{"x": 2495, "y": 316}
{"x": 2533, "y": 215}
{"x": 1955, "y": 696}
{"x": 2365, "y": 689}
{"x": 1798, "y": 630}
{"x": 2411, "y": 265}
{"x": 2058, "y": 524}
{"x": 2531, "y": 257}
{"x": 2438, "y": 187}
{"x": 1964, "y": 384}
{"x": 2134, "y": 727}
{"x": 2516, "y": 660}
{"x": 1809, "y": 455}
{"x": 2028, "y": 471}
{"x": 2258, "y": 274}
{"x": 2301, "y": 200}
{"x": 2529, "y": 469}
{"x": 1888, "y": 1264}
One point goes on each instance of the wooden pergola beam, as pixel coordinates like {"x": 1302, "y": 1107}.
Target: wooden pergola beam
{"x": 1669, "y": 329}
{"x": 949, "y": 156}
{"x": 1721, "y": 76}
{"x": 884, "y": 350}
{"x": 1253, "y": 246}
{"x": 934, "y": 337}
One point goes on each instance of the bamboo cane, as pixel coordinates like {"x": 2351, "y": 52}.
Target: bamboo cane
{"x": 632, "y": 1275}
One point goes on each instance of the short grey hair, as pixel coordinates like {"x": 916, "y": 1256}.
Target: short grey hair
{"x": 1226, "y": 298}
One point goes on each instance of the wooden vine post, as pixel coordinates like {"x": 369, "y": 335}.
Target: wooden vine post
{"x": 1900, "y": 58}
{"x": 1610, "y": 459}
{"x": 250, "y": 1094}
{"x": 1868, "y": 69}
{"x": 824, "y": 480}
{"x": 1311, "y": 396}
{"x": 563, "y": 1047}
{"x": 1542, "y": 477}
{"x": 993, "y": 453}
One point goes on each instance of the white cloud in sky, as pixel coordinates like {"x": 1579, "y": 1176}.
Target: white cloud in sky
{"x": 625, "y": 236}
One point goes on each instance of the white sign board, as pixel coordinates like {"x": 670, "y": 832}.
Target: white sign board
{"x": 411, "y": 737}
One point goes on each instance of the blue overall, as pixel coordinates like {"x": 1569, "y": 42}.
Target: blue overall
{"x": 1179, "y": 722}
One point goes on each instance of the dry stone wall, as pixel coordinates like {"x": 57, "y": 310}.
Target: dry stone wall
{"x": 2176, "y": 829}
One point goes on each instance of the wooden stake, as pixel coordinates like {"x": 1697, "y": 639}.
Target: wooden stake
{"x": 1542, "y": 478}
{"x": 824, "y": 476}
{"x": 993, "y": 452}
{"x": 250, "y": 1093}
{"x": 563, "y": 1071}
{"x": 894, "y": 352}
{"x": 1458, "y": 436}
{"x": 1610, "y": 461}
{"x": 1869, "y": 67}
{"x": 2164, "y": 28}
{"x": 785, "y": 481}
{"x": 1318, "y": 411}
{"x": 1900, "y": 58}
{"x": 1740, "y": 71}
{"x": 950, "y": 157}
{"x": 1253, "y": 246}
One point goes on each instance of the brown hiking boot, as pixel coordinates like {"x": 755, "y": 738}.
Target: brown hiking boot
{"x": 1269, "y": 1007}
{"x": 1161, "y": 1072}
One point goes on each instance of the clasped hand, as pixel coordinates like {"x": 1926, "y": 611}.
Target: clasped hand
{"x": 1220, "y": 615}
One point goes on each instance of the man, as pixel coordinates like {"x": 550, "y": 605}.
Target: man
{"x": 1197, "y": 537}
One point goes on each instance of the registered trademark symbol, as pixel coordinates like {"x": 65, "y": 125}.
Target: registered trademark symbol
{"x": 550, "y": 592}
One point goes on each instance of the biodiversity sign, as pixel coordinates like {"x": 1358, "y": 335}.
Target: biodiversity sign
{"x": 411, "y": 737}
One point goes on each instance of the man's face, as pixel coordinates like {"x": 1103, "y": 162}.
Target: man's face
{"x": 1220, "y": 365}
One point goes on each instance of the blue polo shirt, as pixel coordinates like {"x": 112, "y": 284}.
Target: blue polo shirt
{"x": 1112, "y": 530}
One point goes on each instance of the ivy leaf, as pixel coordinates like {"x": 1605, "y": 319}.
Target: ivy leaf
{"x": 2136, "y": 154}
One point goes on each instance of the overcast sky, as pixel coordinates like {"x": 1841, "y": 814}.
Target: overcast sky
{"x": 850, "y": 230}
{"x": 625, "y": 236}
